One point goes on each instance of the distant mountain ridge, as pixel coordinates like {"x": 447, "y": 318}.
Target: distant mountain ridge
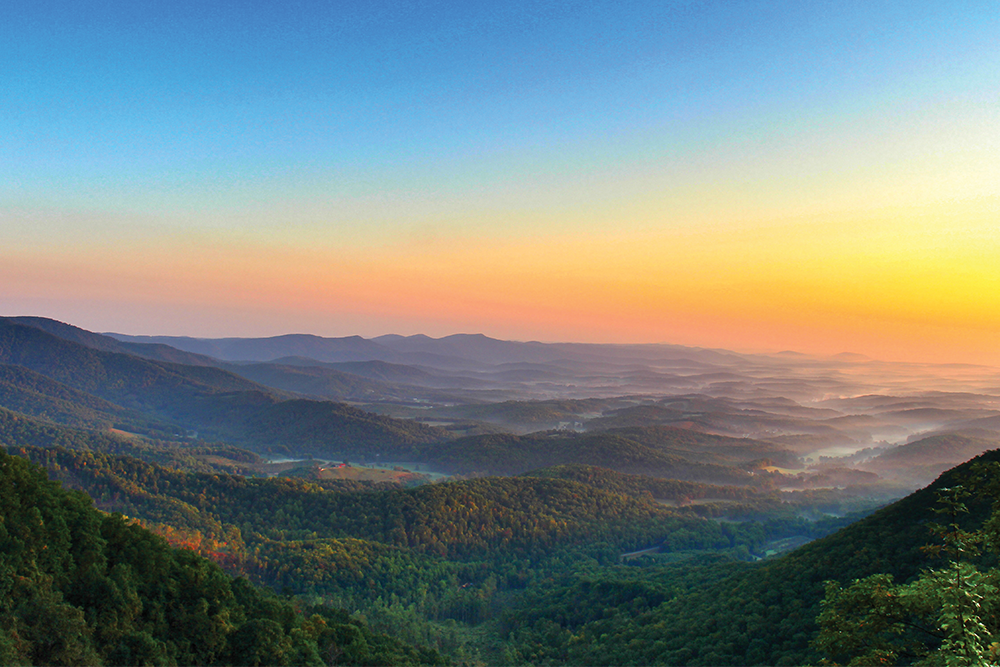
{"x": 154, "y": 351}
{"x": 516, "y": 370}
{"x": 348, "y": 348}
{"x": 474, "y": 349}
{"x": 126, "y": 389}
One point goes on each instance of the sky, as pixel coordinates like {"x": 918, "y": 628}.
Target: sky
{"x": 813, "y": 176}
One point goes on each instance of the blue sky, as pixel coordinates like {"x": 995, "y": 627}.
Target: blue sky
{"x": 214, "y": 98}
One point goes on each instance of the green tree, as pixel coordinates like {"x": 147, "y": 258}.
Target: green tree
{"x": 947, "y": 616}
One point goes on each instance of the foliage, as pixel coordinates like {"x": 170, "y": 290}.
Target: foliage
{"x": 726, "y": 613}
{"x": 411, "y": 560}
{"x": 948, "y": 615}
{"x": 26, "y": 431}
{"x": 78, "y": 587}
{"x": 417, "y": 561}
{"x": 34, "y": 394}
{"x": 528, "y": 565}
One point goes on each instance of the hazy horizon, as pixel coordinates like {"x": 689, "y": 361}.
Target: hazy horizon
{"x": 747, "y": 351}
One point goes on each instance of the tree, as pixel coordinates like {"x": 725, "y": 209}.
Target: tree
{"x": 947, "y": 616}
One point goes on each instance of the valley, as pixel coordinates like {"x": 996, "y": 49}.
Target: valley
{"x": 489, "y": 502}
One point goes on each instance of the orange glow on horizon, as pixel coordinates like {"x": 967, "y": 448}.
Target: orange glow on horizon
{"x": 893, "y": 284}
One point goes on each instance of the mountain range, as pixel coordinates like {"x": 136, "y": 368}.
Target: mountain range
{"x": 396, "y": 398}
{"x": 542, "y": 503}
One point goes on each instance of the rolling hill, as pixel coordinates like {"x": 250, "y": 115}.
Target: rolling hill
{"x": 204, "y": 399}
{"x": 921, "y": 461}
{"x": 666, "y": 453}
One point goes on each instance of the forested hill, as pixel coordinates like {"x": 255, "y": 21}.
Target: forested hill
{"x": 155, "y": 351}
{"x": 654, "y": 451}
{"x": 759, "y": 615}
{"x": 78, "y": 587}
{"x": 121, "y": 378}
{"x": 645, "y": 486}
{"x": 499, "y": 534}
{"x": 603, "y": 549}
{"x": 25, "y": 391}
{"x": 503, "y": 517}
{"x": 19, "y": 430}
{"x": 415, "y": 561}
{"x": 88, "y": 386}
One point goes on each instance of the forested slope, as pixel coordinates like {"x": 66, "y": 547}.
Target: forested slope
{"x": 762, "y": 614}
{"x": 79, "y": 587}
{"x": 84, "y": 385}
{"x": 23, "y": 390}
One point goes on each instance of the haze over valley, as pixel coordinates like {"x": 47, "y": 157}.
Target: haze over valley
{"x": 803, "y": 412}
{"x": 506, "y": 474}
